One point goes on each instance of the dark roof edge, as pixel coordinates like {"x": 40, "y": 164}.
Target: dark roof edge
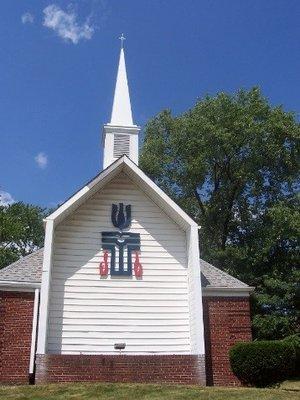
{"x": 227, "y": 291}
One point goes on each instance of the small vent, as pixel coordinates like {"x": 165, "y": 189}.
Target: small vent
{"x": 121, "y": 145}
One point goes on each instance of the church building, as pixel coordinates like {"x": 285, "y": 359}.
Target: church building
{"x": 119, "y": 292}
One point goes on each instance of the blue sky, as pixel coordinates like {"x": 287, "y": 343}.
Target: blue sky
{"x": 58, "y": 62}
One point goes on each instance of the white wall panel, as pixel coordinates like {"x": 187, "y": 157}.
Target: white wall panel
{"x": 87, "y": 313}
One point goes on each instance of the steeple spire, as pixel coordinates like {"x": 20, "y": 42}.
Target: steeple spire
{"x": 120, "y": 136}
{"x": 121, "y": 112}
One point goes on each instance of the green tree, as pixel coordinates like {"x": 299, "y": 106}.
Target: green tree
{"x": 232, "y": 162}
{"x": 21, "y": 231}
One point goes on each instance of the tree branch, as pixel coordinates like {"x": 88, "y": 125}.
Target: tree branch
{"x": 201, "y": 205}
{"x": 228, "y": 215}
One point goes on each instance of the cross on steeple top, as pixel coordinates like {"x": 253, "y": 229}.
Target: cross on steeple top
{"x": 122, "y": 38}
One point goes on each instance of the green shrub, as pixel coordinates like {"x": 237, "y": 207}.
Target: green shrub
{"x": 294, "y": 340}
{"x": 262, "y": 363}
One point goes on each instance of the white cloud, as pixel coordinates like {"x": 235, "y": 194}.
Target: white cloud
{"x": 6, "y": 198}
{"x": 27, "y": 18}
{"x": 65, "y": 24}
{"x": 42, "y": 160}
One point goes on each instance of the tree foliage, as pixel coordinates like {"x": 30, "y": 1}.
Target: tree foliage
{"x": 21, "y": 231}
{"x": 232, "y": 162}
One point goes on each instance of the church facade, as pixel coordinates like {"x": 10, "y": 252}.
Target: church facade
{"x": 119, "y": 292}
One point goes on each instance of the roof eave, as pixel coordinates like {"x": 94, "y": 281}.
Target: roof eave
{"x": 74, "y": 201}
{"x": 105, "y": 177}
{"x": 210, "y": 291}
{"x": 19, "y": 286}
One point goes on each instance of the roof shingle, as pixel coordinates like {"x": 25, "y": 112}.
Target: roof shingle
{"x": 26, "y": 269}
{"x": 216, "y": 278}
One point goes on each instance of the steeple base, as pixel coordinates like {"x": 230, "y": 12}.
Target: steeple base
{"x": 120, "y": 140}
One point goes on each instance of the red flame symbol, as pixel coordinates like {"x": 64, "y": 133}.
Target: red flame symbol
{"x": 138, "y": 269}
{"x": 104, "y": 265}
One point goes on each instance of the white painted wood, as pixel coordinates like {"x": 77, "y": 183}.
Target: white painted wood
{"x": 108, "y": 140}
{"x": 121, "y": 111}
{"x": 120, "y": 309}
{"x": 142, "y": 180}
{"x": 130, "y": 349}
{"x": 120, "y": 136}
{"x": 93, "y": 229}
{"x": 120, "y": 302}
{"x": 110, "y": 297}
{"x": 146, "y": 275}
{"x": 45, "y": 287}
{"x": 92, "y": 337}
{"x": 85, "y": 192}
{"x": 195, "y": 293}
{"x": 110, "y": 322}
{"x": 77, "y": 291}
{"x": 145, "y": 330}
{"x": 87, "y": 313}
{"x": 115, "y": 283}
{"x": 34, "y": 330}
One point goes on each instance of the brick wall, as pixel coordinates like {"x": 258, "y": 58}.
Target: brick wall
{"x": 16, "y": 312}
{"x": 187, "y": 369}
{"x": 226, "y": 321}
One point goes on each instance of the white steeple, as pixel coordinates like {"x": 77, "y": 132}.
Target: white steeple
{"x": 120, "y": 136}
{"x": 121, "y": 112}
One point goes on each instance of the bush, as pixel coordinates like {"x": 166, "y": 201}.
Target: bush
{"x": 262, "y": 363}
{"x": 294, "y": 340}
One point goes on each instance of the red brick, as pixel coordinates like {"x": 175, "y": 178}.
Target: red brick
{"x": 16, "y": 313}
{"x": 182, "y": 369}
{"x": 226, "y": 321}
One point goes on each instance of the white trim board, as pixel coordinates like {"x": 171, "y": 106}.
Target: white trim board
{"x": 139, "y": 177}
{"x": 34, "y": 330}
{"x": 45, "y": 287}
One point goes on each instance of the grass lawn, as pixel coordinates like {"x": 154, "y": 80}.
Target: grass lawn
{"x": 103, "y": 391}
{"x": 293, "y": 384}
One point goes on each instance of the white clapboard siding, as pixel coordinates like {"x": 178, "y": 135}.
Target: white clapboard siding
{"x": 90, "y": 276}
{"x": 128, "y": 335}
{"x": 146, "y": 258}
{"x": 152, "y": 330}
{"x": 88, "y": 314}
{"x": 71, "y": 241}
{"x": 130, "y": 349}
{"x": 94, "y": 231}
{"x": 141, "y": 286}
{"x": 109, "y": 297}
{"x": 77, "y": 247}
{"x": 60, "y": 322}
{"x": 94, "y": 309}
{"x": 118, "y": 302}
{"x": 131, "y": 314}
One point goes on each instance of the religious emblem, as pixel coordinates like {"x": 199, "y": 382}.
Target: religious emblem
{"x": 121, "y": 246}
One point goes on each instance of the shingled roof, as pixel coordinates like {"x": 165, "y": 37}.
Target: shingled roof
{"x": 216, "y": 278}
{"x": 29, "y": 269}
{"x": 26, "y": 269}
